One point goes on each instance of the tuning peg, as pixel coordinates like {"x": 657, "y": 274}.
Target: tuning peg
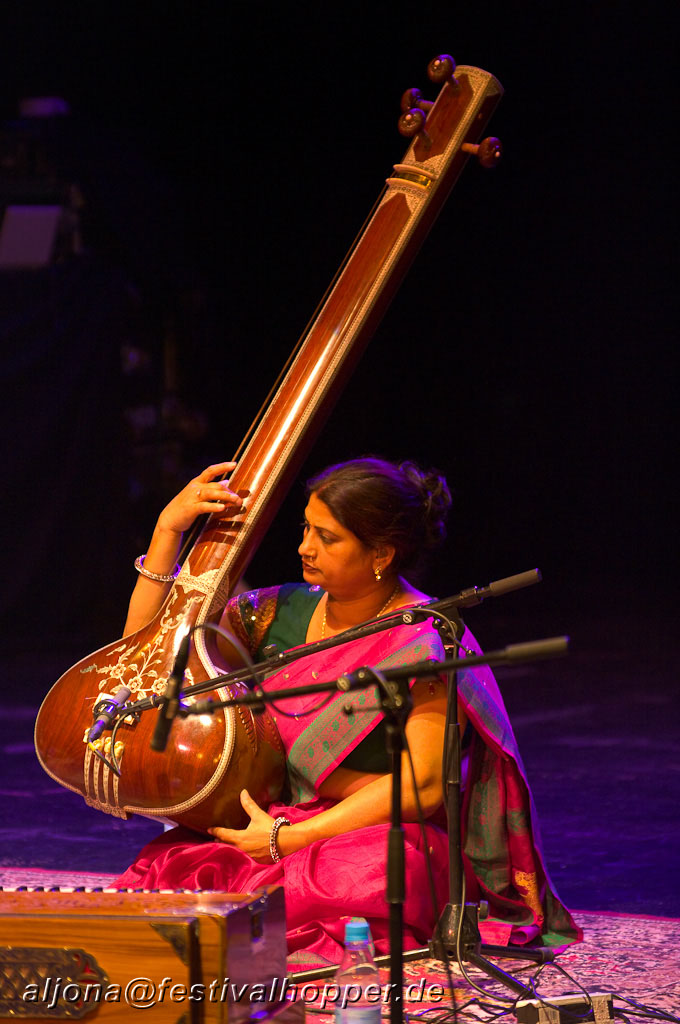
{"x": 413, "y": 98}
{"x": 487, "y": 152}
{"x": 414, "y": 112}
{"x": 414, "y": 108}
{"x": 412, "y": 122}
{"x": 441, "y": 69}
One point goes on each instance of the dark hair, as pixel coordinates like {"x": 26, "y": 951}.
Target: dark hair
{"x": 384, "y": 503}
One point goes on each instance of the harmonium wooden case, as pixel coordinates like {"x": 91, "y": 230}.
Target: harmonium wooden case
{"x": 182, "y": 957}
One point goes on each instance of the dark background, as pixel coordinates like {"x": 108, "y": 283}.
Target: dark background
{"x": 227, "y": 156}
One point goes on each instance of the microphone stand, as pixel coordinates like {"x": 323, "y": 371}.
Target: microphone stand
{"x": 457, "y": 930}
{"x": 395, "y": 702}
{"x": 396, "y": 709}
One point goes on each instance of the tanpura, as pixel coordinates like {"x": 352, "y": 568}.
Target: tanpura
{"x": 209, "y": 759}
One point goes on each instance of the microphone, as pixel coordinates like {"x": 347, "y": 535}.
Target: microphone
{"x": 170, "y": 706}
{"x": 533, "y": 650}
{"x": 105, "y": 710}
{"x": 475, "y": 595}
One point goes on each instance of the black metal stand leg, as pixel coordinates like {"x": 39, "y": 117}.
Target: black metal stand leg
{"x": 457, "y": 933}
{"x": 396, "y": 868}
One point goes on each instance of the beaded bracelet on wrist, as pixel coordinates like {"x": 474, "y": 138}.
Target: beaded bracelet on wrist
{"x": 160, "y": 577}
{"x": 273, "y": 851}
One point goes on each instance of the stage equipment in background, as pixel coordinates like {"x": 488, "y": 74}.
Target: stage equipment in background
{"x": 592, "y": 1006}
{"x": 40, "y": 203}
{"x": 28, "y": 235}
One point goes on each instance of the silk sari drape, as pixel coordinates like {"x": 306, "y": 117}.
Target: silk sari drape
{"x": 346, "y": 875}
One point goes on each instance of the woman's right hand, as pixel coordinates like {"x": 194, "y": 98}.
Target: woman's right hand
{"x": 205, "y": 493}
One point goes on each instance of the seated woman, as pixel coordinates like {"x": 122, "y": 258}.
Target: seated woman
{"x": 366, "y": 523}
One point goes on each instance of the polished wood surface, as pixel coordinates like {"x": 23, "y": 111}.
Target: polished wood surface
{"x": 54, "y": 943}
{"x": 209, "y": 759}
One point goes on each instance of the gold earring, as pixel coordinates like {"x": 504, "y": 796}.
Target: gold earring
{"x": 378, "y": 574}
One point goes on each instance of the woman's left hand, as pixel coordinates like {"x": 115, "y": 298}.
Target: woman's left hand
{"x": 254, "y": 839}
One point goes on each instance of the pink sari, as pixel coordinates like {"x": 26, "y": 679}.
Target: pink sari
{"x": 346, "y": 875}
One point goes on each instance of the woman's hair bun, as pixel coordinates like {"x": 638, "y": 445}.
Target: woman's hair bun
{"x": 436, "y": 500}
{"x": 386, "y": 503}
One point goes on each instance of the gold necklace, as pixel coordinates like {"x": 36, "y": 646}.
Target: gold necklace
{"x": 384, "y": 608}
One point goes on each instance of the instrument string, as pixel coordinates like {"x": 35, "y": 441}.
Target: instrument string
{"x": 197, "y": 528}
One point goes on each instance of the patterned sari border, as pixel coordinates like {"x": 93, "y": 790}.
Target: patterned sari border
{"x": 331, "y": 735}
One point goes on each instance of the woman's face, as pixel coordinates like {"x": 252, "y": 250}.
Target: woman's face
{"x": 332, "y": 556}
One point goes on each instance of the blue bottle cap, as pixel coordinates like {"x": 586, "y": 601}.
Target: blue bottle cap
{"x": 357, "y": 930}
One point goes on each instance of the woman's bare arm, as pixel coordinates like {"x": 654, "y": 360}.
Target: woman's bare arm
{"x": 205, "y": 493}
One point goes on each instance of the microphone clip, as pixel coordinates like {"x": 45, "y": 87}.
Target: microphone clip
{"x": 106, "y": 710}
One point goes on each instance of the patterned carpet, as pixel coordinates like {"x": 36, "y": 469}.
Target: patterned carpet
{"x": 635, "y": 958}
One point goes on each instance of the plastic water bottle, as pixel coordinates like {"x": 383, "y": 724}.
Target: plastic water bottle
{"x": 357, "y": 978}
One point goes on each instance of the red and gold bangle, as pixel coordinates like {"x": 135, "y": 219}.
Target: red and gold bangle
{"x": 275, "y": 855}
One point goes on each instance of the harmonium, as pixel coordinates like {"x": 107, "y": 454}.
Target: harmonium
{"x": 181, "y": 957}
